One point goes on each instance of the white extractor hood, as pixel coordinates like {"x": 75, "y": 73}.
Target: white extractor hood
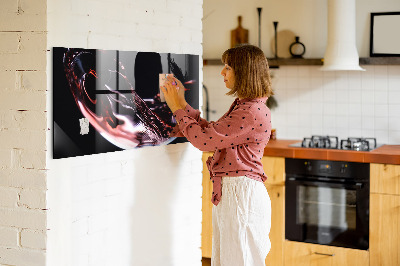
{"x": 341, "y": 51}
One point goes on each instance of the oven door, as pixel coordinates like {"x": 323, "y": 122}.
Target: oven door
{"x": 327, "y": 213}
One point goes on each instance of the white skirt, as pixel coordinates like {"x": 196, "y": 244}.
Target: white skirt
{"x": 241, "y": 223}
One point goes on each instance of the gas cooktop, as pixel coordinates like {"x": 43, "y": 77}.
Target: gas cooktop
{"x": 332, "y": 142}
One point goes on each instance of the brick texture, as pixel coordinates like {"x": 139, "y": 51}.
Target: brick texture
{"x": 23, "y": 132}
{"x": 9, "y": 237}
{"x": 23, "y": 218}
{"x": 89, "y": 201}
{"x": 17, "y": 256}
{"x": 8, "y": 197}
{"x": 33, "y": 239}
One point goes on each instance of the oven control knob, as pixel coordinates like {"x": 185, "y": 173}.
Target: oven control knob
{"x": 343, "y": 168}
{"x": 308, "y": 166}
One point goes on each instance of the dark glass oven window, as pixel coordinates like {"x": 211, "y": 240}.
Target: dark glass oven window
{"x": 326, "y": 207}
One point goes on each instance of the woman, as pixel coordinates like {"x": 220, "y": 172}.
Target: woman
{"x": 242, "y": 208}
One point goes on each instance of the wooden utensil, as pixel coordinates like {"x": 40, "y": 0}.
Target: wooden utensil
{"x": 239, "y": 35}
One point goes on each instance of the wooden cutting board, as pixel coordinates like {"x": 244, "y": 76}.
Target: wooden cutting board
{"x": 239, "y": 35}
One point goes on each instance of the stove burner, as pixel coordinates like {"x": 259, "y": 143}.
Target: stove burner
{"x": 332, "y": 142}
{"x": 328, "y": 142}
{"x": 358, "y": 144}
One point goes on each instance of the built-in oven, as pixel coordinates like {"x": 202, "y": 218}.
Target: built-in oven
{"x": 327, "y": 202}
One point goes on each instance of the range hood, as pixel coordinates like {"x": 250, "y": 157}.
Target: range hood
{"x": 341, "y": 51}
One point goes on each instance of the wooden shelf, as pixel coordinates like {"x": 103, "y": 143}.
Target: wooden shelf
{"x": 273, "y": 63}
{"x": 380, "y": 61}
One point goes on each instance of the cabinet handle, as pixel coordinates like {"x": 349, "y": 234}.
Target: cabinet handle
{"x": 324, "y": 254}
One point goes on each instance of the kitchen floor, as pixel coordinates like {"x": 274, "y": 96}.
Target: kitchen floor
{"x": 206, "y": 261}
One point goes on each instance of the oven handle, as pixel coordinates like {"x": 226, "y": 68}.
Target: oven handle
{"x": 357, "y": 185}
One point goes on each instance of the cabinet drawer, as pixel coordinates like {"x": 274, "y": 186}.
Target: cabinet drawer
{"x": 305, "y": 254}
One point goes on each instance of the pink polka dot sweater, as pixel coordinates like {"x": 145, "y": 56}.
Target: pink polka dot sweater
{"x": 238, "y": 140}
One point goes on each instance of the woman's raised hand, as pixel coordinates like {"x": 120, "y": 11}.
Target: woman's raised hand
{"x": 174, "y": 93}
{"x": 181, "y": 90}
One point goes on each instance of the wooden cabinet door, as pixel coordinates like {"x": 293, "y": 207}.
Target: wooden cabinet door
{"x": 274, "y": 168}
{"x": 277, "y": 233}
{"x": 384, "y": 236}
{"x": 385, "y": 178}
{"x": 305, "y": 254}
{"x": 206, "y": 232}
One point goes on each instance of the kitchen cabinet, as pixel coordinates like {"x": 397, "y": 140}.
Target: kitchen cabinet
{"x": 384, "y": 221}
{"x": 385, "y": 178}
{"x": 305, "y": 254}
{"x": 206, "y": 226}
{"x": 274, "y": 168}
{"x": 385, "y": 214}
{"x": 385, "y": 230}
{"x": 277, "y": 233}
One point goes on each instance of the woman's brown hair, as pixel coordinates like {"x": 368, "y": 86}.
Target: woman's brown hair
{"x": 250, "y": 66}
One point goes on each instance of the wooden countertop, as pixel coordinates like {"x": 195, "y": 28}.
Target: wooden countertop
{"x": 389, "y": 154}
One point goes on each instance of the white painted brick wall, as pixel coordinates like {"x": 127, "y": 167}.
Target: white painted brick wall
{"x": 22, "y": 256}
{"x": 23, "y": 218}
{"x": 23, "y": 100}
{"x": 9, "y": 42}
{"x": 136, "y": 207}
{"x": 33, "y": 239}
{"x": 23, "y": 128}
{"x": 23, "y": 16}
{"x": 33, "y": 198}
{"x": 35, "y": 120}
{"x": 8, "y": 197}
{"x": 23, "y": 139}
{"x": 8, "y": 79}
{"x": 23, "y": 178}
{"x": 101, "y": 204}
{"x": 30, "y": 52}
{"x": 9, "y": 237}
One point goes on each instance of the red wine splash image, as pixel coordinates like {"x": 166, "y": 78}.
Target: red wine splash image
{"x": 124, "y": 119}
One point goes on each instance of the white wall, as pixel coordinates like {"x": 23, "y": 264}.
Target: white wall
{"x": 311, "y": 102}
{"x": 304, "y": 18}
{"x": 23, "y": 133}
{"x": 135, "y": 207}
{"x": 343, "y": 104}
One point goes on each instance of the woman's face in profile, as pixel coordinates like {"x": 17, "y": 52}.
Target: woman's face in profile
{"x": 229, "y": 76}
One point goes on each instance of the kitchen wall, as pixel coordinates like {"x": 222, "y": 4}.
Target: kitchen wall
{"x": 345, "y": 103}
{"x": 304, "y": 18}
{"x": 311, "y": 102}
{"x": 136, "y": 207}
